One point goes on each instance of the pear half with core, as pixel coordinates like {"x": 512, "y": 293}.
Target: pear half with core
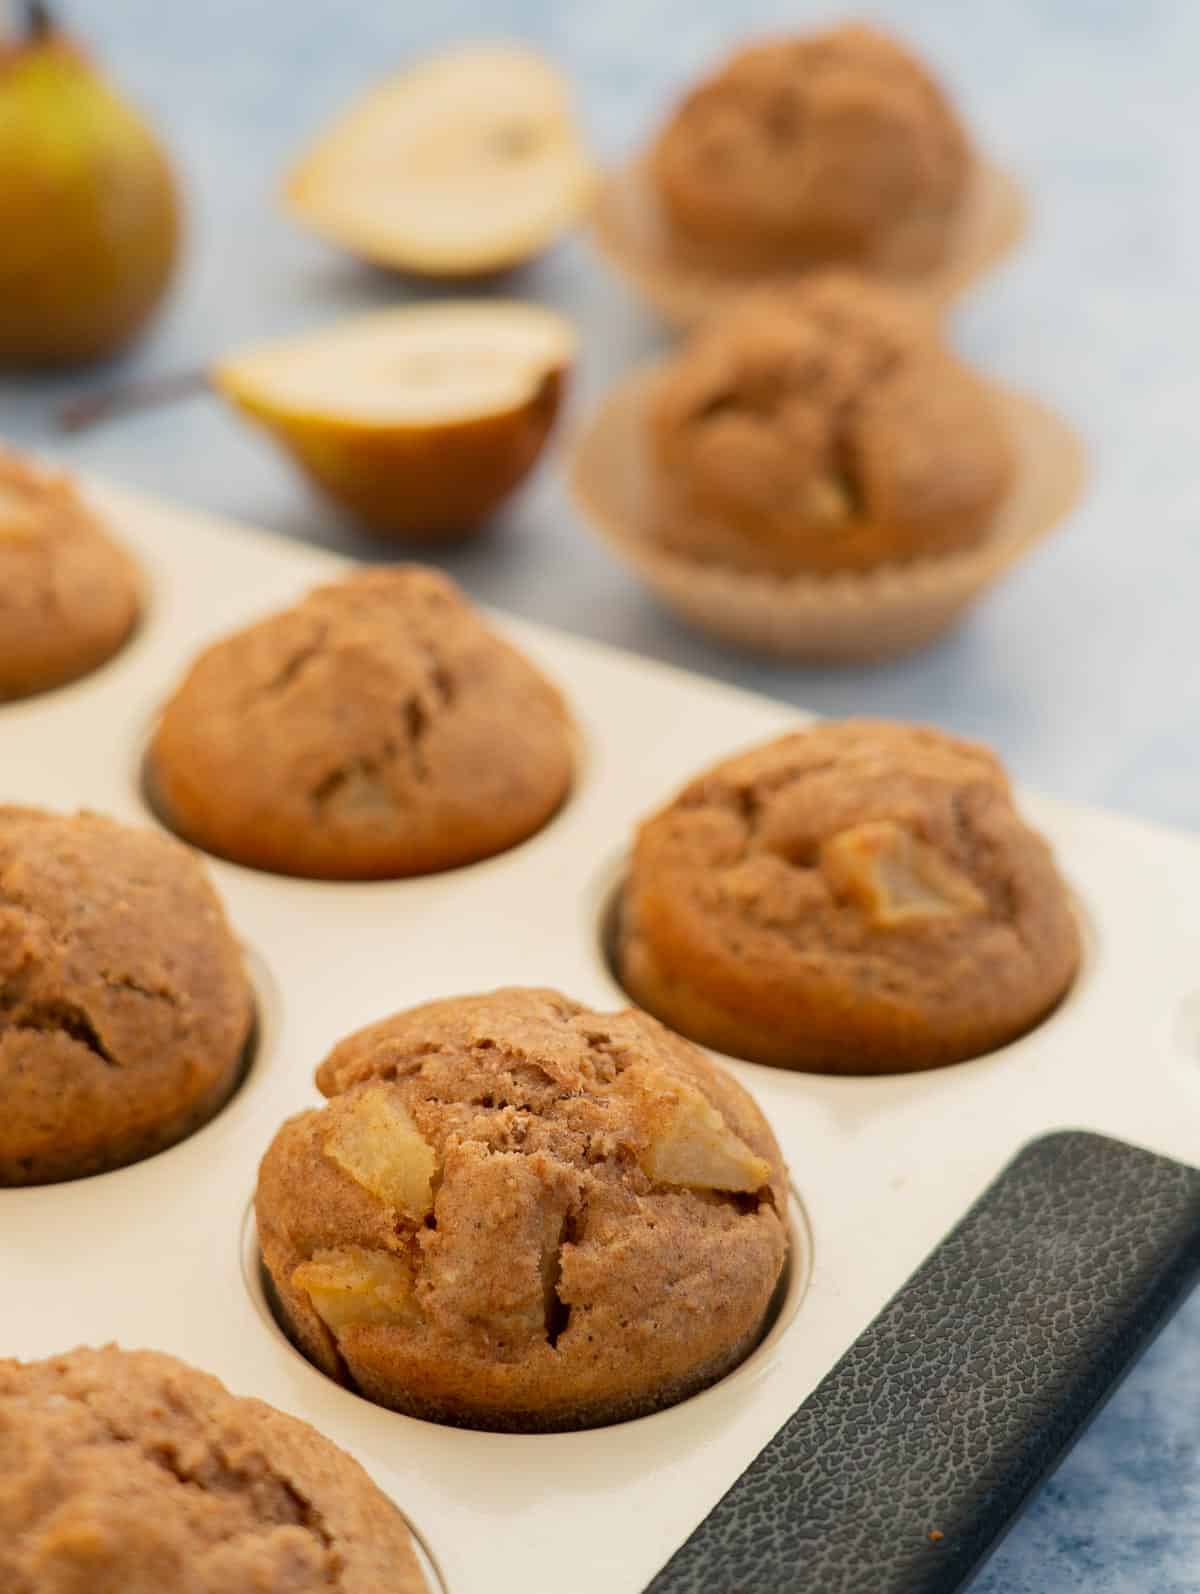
{"x": 467, "y": 164}
{"x": 419, "y": 420}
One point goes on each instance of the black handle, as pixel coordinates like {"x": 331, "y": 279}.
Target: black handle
{"x": 907, "y": 1463}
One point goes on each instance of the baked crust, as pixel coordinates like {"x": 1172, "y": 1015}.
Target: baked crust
{"x": 125, "y": 1012}
{"x": 377, "y": 729}
{"x": 69, "y": 596}
{"x": 500, "y": 1219}
{"x": 821, "y": 427}
{"x": 858, "y": 898}
{"x": 131, "y": 1470}
{"x": 835, "y": 146}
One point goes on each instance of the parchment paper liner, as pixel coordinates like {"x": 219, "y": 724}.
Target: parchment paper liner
{"x": 844, "y": 616}
{"x": 631, "y": 232}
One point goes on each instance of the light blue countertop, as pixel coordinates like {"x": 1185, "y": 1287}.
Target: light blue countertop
{"x": 1080, "y": 671}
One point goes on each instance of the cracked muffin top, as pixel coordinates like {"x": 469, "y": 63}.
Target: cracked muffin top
{"x": 516, "y": 1213}
{"x": 836, "y": 146}
{"x": 124, "y": 1009}
{"x": 130, "y": 1470}
{"x": 377, "y": 729}
{"x": 68, "y": 595}
{"x": 862, "y": 897}
{"x": 821, "y": 427}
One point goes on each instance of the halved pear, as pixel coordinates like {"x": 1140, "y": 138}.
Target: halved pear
{"x": 420, "y": 420}
{"x": 468, "y": 163}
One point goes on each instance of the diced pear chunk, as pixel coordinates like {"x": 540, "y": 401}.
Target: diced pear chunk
{"x": 356, "y": 791}
{"x": 19, "y": 519}
{"x": 375, "y": 1140}
{"x": 895, "y": 876}
{"x": 693, "y": 1145}
{"x": 829, "y": 501}
{"x": 354, "y": 1285}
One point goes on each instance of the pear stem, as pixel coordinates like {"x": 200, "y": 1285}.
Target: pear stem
{"x": 38, "y": 22}
{"x": 78, "y": 414}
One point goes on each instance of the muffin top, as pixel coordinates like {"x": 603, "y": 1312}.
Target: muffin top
{"x": 130, "y": 1470}
{"x": 821, "y": 427}
{"x": 124, "y": 1010}
{"x": 378, "y": 728}
{"x": 834, "y": 146}
{"x": 860, "y": 897}
{"x": 518, "y": 1213}
{"x": 68, "y": 594}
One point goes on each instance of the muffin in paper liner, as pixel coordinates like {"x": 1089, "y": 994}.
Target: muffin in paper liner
{"x": 632, "y": 232}
{"x": 891, "y": 610}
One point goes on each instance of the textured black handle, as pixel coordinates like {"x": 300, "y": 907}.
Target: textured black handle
{"x": 906, "y": 1464}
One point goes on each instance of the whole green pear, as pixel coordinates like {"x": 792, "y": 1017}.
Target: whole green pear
{"x": 90, "y": 218}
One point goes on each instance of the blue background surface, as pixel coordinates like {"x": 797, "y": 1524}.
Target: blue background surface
{"x": 1080, "y": 670}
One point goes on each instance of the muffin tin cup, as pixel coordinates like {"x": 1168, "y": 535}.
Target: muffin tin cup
{"x": 160, "y": 1253}
{"x": 631, "y": 232}
{"x": 841, "y": 617}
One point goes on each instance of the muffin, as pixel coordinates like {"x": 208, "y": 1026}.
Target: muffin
{"x": 823, "y": 427}
{"x": 124, "y": 1010}
{"x": 69, "y": 597}
{"x": 813, "y": 476}
{"x": 377, "y": 729}
{"x": 130, "y": 1470}
{"x": 858, "y": 898}
{"x": 515, "y": 1213}
{"x": 835, "y": 146}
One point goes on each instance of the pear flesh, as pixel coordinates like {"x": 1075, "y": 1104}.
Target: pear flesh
{"x": 468, "y": 163}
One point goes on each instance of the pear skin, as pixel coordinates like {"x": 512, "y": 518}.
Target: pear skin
{"x": 423, "y": 484}
{"x": 388, "y": 418}
{"x": 89, "y": 211}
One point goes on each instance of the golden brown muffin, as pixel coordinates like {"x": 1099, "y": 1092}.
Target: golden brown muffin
{"x": 515, "y": 1213}
{"x": 68, "y": 595}
{"x": 835, "y": 146}
{"x": 377, "y": 729}
{"x": 124, "y": 1010}
{"x": 822, "y": 427}
{"x": 859, "y": 898}
{"x": 130, "y": 1471}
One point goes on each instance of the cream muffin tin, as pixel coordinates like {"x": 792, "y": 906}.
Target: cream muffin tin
{"x": 163, "y": 1254}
